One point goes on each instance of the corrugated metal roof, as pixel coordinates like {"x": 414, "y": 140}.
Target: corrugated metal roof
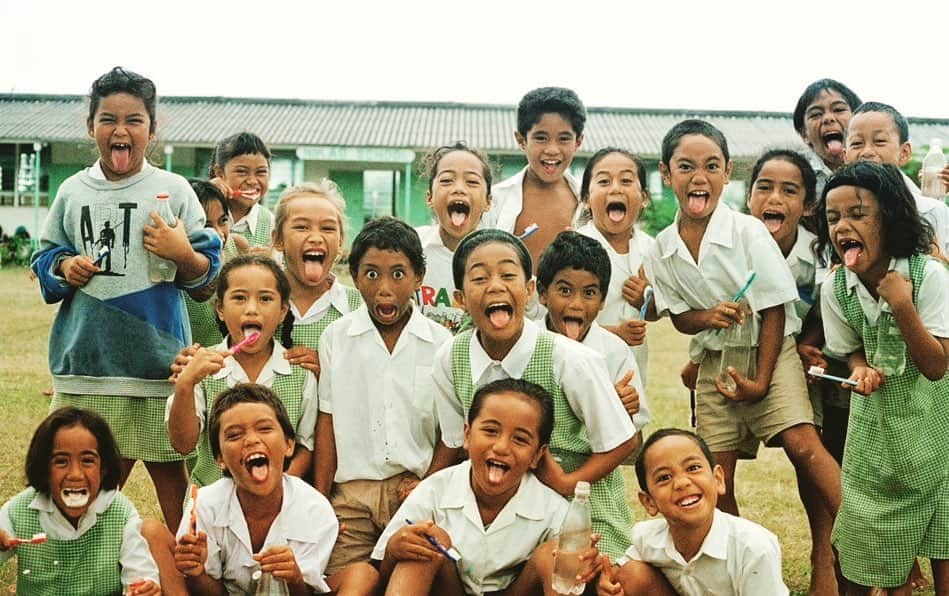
{"x": 203, "y": 121}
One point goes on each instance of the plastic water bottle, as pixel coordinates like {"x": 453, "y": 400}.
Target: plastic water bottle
{"x": 268, "y": 585}
{"x": 933, "y": 163}
{"x": 739, "y": 349}
{"x": 890, "y": 353}
{"x": 162, "y": 270}
{"x": 574, "y": 539}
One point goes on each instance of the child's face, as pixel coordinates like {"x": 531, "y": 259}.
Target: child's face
{"x": 252, "y": 303}
{"x": 387, "y": 282}
{"x": 503, "y": 443}
{"x": 825, "y": 124}
{"x": 616, "y": 197}
{"x": 573, "y": 301}
{"x": 122, "y": 130}
{"x": 549, "y": 145}
{"x": 777, "y": 198}
{"x": 459, "y": 194}
{"x": 217, "y": 218}
{"x": 75, "y": 471}
{"x": 855, "y": 226}
{"x": 253, "y": 447}
{"x": 683, "y": 486}
{"x": 311, "y": 238}
{"x": 872, "y": 136}
{"x": 697, "y": 173}
{"x": 495, "y": 291}
{"x": 248, "y": 174}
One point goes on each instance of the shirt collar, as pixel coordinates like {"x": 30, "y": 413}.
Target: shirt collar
{"x": 430, "y": 236}
{"x": 44, "y": 502}
{"x": 336, "y": 296}
{"x": 715, "y": 544}
{"x": 516, "y": 360}
{"x": 801, "y": 251}
{"x": 528, "y": 502}
{"x": 277, "y": 364}
{"x": 416, "y": 325}
{"x": 719, "y": 230}
{"x": 899, "y": 265}
{"x": 249, "y": 221}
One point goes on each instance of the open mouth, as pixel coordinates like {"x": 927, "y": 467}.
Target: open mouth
{"x": 257, "y": 466}
{"x": 250, "y": 328}
{"x": 458, "y": 212}
{"x": 773, "y": 220}
{"x": 689, "y": 501}
{"x": 616, "y": 211}
{"x": 75, "y": 497}
{"x": 499, "y": 314}
{"x": 834, "y": 142}
{"x": 550, "y": 165}
{"x": 852, "y": 250}
{"x": 698, "y": 201}
{"x": 386, "y": 311}
{"x": 496, "y": 471}
{"x": 121, "y": 156}
{"x": 572, "y": 326}
{"x": 314, "y": 264}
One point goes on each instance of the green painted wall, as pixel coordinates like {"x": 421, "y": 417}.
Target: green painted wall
{"x": 351, "y": 185}
{"x": 58, "y": 172}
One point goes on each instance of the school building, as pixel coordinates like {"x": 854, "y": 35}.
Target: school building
{"x": 372, "y": 150}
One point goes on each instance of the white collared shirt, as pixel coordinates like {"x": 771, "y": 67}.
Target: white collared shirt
{"x": 619, "y": 361}
{"x": 336, "y": 296}
{"x": 436, "y": 296}
{"x": 248, "y": 222}
{"x": 306, "y": 523}
{"x": 580, "y": 371}
{"x": 932, "y": 210}
{"x": 382, "y": 404}
{"x": 733, "y": 246}
{"x": 623, "y": 266}
{"x": 491, "y": 557}
{"x": 932, "y": 305}
{"x": 134, "y": 557}
{"x": 507, "y": 200}
{"x": 233, "y": 373}
{"x": 803, "y": 265}
{"x": 738, "y": 558}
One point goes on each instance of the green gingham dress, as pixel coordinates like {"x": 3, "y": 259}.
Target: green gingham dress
{"x": 568, "y": 443}
{"x": 896, "y": 461}
{"x": 87, "y": 565}
{"x": 289, "y": 388}
{"x": 308, "y": 334}
{"x": 260, "y": 236}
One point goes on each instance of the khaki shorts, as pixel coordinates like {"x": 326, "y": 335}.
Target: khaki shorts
{"x": 727, "y": 425}
{"x": 366, "y": 507}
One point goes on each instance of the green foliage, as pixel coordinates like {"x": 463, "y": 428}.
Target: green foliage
{"x": 658, "y": 214}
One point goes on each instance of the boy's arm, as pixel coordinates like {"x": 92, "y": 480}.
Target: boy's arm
{"x": 324, "y": 464}
{"x": 595, "y": 468}
{"x": 443, "y": 456}
{"x": 302, "y": 461}
{"x": 720, "y": 316}
{"x": 184, "y": 425}
{"x": 927, "y": 351}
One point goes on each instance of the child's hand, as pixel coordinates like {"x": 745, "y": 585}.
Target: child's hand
{"x": 749, "y": 390}
{"x": 222, "y": 186}
{"x": 628, "y": 394}
{"x": 690, "y": 375}
{"x": 78, "y": 270}
{"x": 165, "y": 241}
{"x": 633, "y": 288}
{"x": 181, "y": 361}
{"x": 144, "y": 588}
{"x": 6, "y": 542}
{"x": 590, "y": 563}
{"x": 191, "y": 553}
{"x": 305, "y": 357}
{"x": 723, "y": 314}
{"x": 633, "y": 331}
{"x": 868, "y": 380}
{"x": 897, "y": 290}
{"x": 608, "y": 586}
{"x": 280, "y": 562}
{"x": 240, "y": 242}
{"x": 811, "y": 356}
{"x": 204, "y": 362}
{"x": 409, "y": 542}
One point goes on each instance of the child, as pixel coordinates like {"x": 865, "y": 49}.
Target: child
{"x": 698, "y": 549}
{"x": 459, "y": 193}
{"x": 572, "y": 278}
{"x": 700, "y": 263}
{"x": 549, "y": 131}
{"x": 614, "y": 191}
{"x": 886, "y": 309}
{"x": 257, "y": 518}
{"x": 377, "y": 432}
{"x": 240, "y": 167}
{"x": 92, "y": 545}
{"x": 820, "y": 117}
{"x": 252, "y": 297}
{"x": 116, "y": 331}
{"x": 879, "y": 133}
{"x": 592, "y": 432}
{"x": 491, "y": 509}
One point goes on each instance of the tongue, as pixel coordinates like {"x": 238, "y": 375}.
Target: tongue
{"x": 260, "y": 473}
{"x": 697, "y": 205}
{"x": 120, "y": 159}
{"x": 572, "y": 330}
{"x": 852, "y": 256}
{"x": 312, "y": 271}
{"x": 835, "y": 147}
{"x": 495, "y": 474}
{"x": 616, "y": 215}
{"x": 500, "y": 318}
{"x": 458, "y": 218}
{"x": 773, "y": 224}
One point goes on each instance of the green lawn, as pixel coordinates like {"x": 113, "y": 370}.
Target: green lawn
{"x": 767, "y": 492}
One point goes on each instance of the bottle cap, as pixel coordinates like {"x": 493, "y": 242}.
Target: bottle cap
{"x": 256, "y": 575}
{"x": 582, "y": 489}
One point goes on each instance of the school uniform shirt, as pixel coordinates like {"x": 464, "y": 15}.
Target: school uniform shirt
{"x": 733, "y": 246}
{"x": 932, "y": 210}
{"x": 336, "y": 297}
{"x": 738, "y": 557}
{"x": 134, "y": 558}
{"x": 491, "y": 557}
{"x": 580, "y": 371}
{"x": 622, "y": 267}
{"x": 507, "y": 200}
{"x": 931, "y": 304}
{"x": 619, "y": 361}
{"x": 306, "y": 523}
{"x": 436, "y": 296}
{"x": 382, "y": 404}
{"x": 232, "y": 373}
{"x": 803, "y": 265}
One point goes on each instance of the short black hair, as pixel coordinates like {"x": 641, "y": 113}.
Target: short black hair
{"x": 475, "y": 239}
{"x": 283, "y": 288}
{"x": 905, "y": 232}
{"x": 902, "y": 127}
{"x": 691, "y": 127}
{"x": 247, "y": 393}
{"x": 430, "y": 163}
{"x": 550, "y": 100}
{"x": 571, "y": 250}
{"x": 208, "y": 193}
{"x": 40, "y": 451}
{"x": 808, "y": 176}
{"x": 530, "y": 391}
{"x": 660, "y": 434}
{"x": 242, "y": 143}
{"x": 119, "y": 80}
{"x": 388, "y": 233}
{"x": 813, "y": 91}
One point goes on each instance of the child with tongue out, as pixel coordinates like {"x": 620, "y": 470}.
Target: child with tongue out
{"x": 820, "y": 118}
{"x": 240, "y": 167}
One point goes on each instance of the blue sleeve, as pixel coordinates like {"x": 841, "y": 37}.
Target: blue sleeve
{"x": 206, "y": 242}
{"x": 52, "y": 287}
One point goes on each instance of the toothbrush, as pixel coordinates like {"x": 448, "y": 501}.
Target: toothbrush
{"x": 528, "y": 231}
{"x": 741, "y": 293}
{"x": 647, "y": 297}
{"x": 244, "y": 342}
{"x": 450, "y": 552}
{"x": 38, "y": 538}
{"x": 817, "y": 371}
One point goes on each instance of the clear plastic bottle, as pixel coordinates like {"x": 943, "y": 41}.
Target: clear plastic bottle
{"x": 739, "y": 349}
{"x": 890, "y": 354}
{"x": 933, "y": 163}
{"x": 574, "y": 539}
{"x": 268, "y": 585}
{"x": 162, "y": 270}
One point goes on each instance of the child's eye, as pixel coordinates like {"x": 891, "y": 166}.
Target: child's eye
{"x": 603, "y": 182}
{"x": 661, "y": 478}
{"x": 629, "y": 181}
{"x": 372, "y": 274}
{"x": 60, "y": 462}
{"x": 564, "y": 291}
{"x": 591, "y": 293}
{"x": 329, "y": 229}
{"x": 89, "y": 460}
{"x": 262, "y": 172}
{"x": 856, "y": 144}
{"x": 398, "y": 274}
{"x": 477, "y": 280}
{"x": 685, "y": 167}
{"x": 694, "y": 467}
{"x": 713, "y": 167}
{"x": 508, "y": 276}
{"x": 521, "y": 440}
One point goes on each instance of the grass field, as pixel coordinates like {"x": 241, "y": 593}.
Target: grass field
{"x": 767, "y": 491}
